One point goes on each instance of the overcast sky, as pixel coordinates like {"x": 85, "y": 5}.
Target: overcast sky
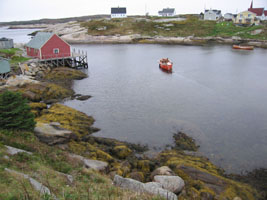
{"x": 17, "y": 10}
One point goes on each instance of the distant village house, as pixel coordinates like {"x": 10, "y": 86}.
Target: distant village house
{"x": 4, "y": 68}
{"x": 6, "y": 43}
{"x": 261, "y": 14}
{"x": 167, "y": 12}
{"x": 118, "y": 12}
{"x": 228, "y": 17}
{"x": 47, "y": 45}
{"x": 247, "y": 17}
{"x": 212, "y": 15}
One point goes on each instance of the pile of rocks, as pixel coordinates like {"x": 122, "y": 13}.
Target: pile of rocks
{"x": 34, "y": 69}
{"x": 165, "y": 184}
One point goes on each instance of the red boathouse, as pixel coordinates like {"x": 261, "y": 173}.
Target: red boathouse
{"x": 47, "y": 45}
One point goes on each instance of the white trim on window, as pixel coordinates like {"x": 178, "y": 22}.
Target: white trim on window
{"x": 56, "y": 50}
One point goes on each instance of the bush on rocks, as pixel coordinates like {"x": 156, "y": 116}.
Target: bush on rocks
{"x": 15, "y": 113}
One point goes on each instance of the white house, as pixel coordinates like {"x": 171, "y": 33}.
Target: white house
{"x": 228, "y": 17}
{"x": 118, "y": 12}
{"x": 167, "y": 12}
{"x": 212, "y": 15}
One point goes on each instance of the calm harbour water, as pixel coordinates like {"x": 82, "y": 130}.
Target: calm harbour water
{"x": 216, "y": 95}
{"x": 18, "y": 35}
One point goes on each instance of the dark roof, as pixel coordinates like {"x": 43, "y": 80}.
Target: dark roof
{"x": 118, "y": 10}
{"x": 265, "y": 12}
{"x": 215, "y": 11}
{"x": 167, "y": 10}
{"x": 4, "y": 39}
{"x": 39, "y": 40}
{"x": 257, "y": 11}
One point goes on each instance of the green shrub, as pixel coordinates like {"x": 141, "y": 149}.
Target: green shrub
{"x": 15, "y": 113}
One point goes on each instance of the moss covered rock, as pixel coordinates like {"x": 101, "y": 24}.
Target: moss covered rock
{"x": 36, "y": 108}
{"x": 139, "y": 176}
{"x": 44, "y": 92}
{"x": 121, "y": 168}
{"x": 64, "y": 73}
{"x": 69, "y": 118}
{"x": 144, "y": 166}
{"x": 122, "y": 151}
{"x": 202, "y": 178}
{"x": 184, "y": 142}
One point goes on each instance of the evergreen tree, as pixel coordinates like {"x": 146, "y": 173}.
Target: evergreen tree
{"x": 15, "y": 113}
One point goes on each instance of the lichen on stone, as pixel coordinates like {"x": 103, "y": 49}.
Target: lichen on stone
{"x": 65, "y": 73}
{"x": 122, "y": 151}
{"x": 69, "y": 118}
{"x": 184, "y": 142}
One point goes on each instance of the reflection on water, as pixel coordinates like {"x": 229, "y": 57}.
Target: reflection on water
{"x": 216, "y": 95}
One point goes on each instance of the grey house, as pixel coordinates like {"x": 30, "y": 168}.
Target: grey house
{"x": 212, "y": 15}
{"x": 228, "y": 17}
{"x": 4, "y": 68}
{"x": 6, "y": 43}
{"x": 167, "y": 12}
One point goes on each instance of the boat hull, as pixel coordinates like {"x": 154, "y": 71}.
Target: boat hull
{"x": 166, "y": 67}
{"x": 243, "y": 47}
{"x": 165, "y": 64}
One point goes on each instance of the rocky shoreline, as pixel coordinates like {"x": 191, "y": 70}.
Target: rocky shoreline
{"x": 190, "y": 40}
{"x": 74, "y": 33}
{"x": 191, "y": 176}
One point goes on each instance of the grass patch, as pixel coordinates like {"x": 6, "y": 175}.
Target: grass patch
{"x": 14, "y": 55}
{"x": 18, "y": 59}
{"x": 191, "y": 26}
{"x": 10, "y": 52}
{"x": 228, "y": 29}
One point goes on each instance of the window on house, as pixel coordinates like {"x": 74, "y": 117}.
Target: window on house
{"x": 241, "y": 15}
{"x": 56, "y": 51}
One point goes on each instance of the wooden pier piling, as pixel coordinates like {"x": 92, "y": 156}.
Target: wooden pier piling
{"x": 76, "y": 60}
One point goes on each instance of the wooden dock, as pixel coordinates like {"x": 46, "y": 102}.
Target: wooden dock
{"x": 76, "y": 60}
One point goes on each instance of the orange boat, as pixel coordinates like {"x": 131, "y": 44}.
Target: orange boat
{"x": 243, "y": 47}
{"x": 165, "y": 64}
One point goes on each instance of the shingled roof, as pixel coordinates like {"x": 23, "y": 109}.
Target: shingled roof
{"x": 118, "y": 10}
{"x": 257, "y": 11}
{"x": 167, "y": 10}
{"x": 39, "y": 40}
